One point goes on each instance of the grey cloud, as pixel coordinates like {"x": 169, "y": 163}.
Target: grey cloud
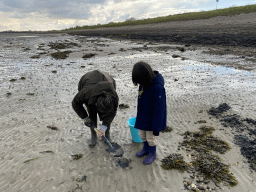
{"x": 13, "y": 4}
{"x": 75, "y": 9}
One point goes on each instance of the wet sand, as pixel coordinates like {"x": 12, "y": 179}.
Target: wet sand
{"x": 36, "y": 158}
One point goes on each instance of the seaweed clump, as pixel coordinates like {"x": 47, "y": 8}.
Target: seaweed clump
{"x": 62, "y": 45}
{"x": 212, "y": 168}
{"x": 248, "y": 149}
{"x": 203, "y": 141}
{"x": 219, "y": 110}
{"x": 175, "y": 161}
{"x": 60, "y": 55}
{"x": 167, "y": 129}
{"x": 76, "y": 157}
{"x": 123, "y": 106}
{"x": 35, "y": 57}
{"x": 89, "y": 55}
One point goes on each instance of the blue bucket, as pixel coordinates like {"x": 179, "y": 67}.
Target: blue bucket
{"x": 134, "y": 132}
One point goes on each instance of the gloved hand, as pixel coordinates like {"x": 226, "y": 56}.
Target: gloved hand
{"x": 88, "y": 122}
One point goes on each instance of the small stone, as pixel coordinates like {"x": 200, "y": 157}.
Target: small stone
{"x": 200, "y": 187}
{"x": 175, "y": 56}
{"x": 201, "y": 179}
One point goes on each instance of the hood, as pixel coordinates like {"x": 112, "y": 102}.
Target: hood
{"x": 158, "y": 79}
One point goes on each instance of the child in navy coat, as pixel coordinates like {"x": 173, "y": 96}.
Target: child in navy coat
{"x": 151, "y": 109}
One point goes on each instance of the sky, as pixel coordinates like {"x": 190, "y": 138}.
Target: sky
{"x": 43, "y": 15}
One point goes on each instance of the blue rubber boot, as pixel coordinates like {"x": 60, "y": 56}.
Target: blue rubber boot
{"x": 144, "y": 151}
{"x": 152, "y": 155}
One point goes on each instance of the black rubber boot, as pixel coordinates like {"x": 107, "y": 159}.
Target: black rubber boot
{"x": 93, "y": 138}
{"x": 107, "y": 135}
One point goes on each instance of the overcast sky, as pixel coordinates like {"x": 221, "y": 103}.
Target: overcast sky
{"x": 19, "y": 15}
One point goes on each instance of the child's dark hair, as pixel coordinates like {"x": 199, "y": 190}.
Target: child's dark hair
{"x": 142, "y": 74}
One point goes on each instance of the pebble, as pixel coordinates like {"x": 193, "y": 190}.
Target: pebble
{"x": 200, "y": 187}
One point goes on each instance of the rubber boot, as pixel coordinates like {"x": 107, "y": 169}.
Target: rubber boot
{"x": 144, "y": 151}
{"x": 151, "y": 156}
{"x": 107, "y": 135}
{"x": 93, "y": 138}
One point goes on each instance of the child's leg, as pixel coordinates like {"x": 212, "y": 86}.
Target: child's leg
{"x": 143, "y": 137}
{"x": 151, "y": 139}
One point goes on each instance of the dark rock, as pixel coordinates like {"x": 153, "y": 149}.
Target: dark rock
{"x": 175, "y": 56}
{"x": 89, "y": 55}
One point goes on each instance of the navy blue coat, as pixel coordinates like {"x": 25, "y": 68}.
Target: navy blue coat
{"x": 151, "y": 109}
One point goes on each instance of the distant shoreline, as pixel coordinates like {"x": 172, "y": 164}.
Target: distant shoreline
{"x": 239, "y": 30}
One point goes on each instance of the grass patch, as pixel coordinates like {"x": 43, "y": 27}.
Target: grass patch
{"x": 179, "y": 17}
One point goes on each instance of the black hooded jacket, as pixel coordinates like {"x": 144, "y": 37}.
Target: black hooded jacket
{"x": 91, "y": 86}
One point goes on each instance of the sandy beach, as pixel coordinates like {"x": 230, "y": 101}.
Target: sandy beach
{"x": 36, "y": 94}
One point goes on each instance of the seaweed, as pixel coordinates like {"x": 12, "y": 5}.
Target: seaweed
{"x": 89, "y": 55}
{"x": 167, "y": 129}
{"x": 248, "y": 149}
{"x": 30, "y": 94}
{"x": 57, "y": 45}
{"x": 201, "y": 121}
{"x": 123, "y": 106}
{"x": 60, "y": 55}
{"x": 31, "y": 160}
{"x": 175, "y": 161}
{"x": 219, "y": 110}
{"x": 26, "y": 49}
{"x": 212, "y": 168}
{"x": 53, "y": 128}
{"x": 203, "y": 141}
{"x": 81, "y": 179}
{"x": 76, "y": 157}
{"x": 35, "y": 57}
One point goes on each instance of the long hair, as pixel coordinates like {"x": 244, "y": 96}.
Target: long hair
{"x": 142, "y": 74}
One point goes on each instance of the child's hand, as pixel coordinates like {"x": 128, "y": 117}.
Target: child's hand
{"x": 101, "y": 132}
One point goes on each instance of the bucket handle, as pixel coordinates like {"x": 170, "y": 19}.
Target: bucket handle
{"x": 132, "y": 114}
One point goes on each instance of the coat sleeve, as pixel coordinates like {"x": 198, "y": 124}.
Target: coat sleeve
{"x": 159, "y": 109}
{"x": 78, "y": 102}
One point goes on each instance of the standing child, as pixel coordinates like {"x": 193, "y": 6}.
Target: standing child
{"x": 151, "y": 109}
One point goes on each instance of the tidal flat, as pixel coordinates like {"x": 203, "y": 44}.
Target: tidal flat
{"x": 36, "y": 115}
